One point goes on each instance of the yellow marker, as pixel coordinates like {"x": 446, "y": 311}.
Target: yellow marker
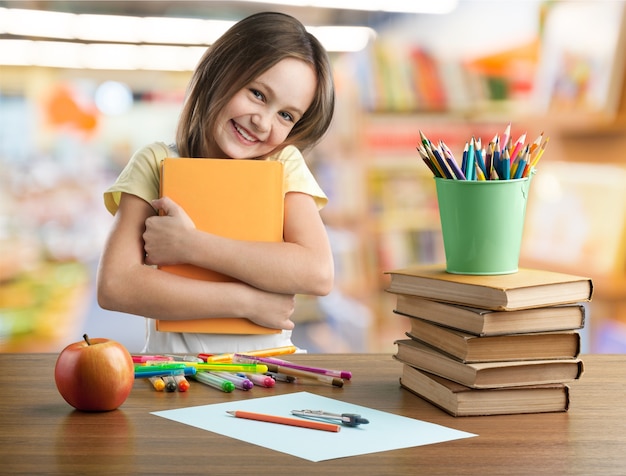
{"x": 157, "y": 383}
{"x": 288, "y": 349}
{"x": 224, "y": 367}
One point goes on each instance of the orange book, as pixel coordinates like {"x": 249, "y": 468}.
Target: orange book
{"x": 239, "y": 199}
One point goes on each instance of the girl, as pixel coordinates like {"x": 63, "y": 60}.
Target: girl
{"x": 263, "y": 91}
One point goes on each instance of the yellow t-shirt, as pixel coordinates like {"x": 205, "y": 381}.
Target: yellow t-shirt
{"x": 140, "y": 177}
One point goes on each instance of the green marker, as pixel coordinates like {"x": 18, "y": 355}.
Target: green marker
{"x": 153, "y": 368}
{"x": 215, "y": 381}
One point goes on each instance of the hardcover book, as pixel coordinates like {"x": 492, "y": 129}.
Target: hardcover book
{"x": 486, "y": 322}
{"x": 239, "y": 199}
{"x": 488, "y": 374}
{"x": 469, "y": 348}
{"x": 528, "y": 288}
{"x": 459, "y": 400}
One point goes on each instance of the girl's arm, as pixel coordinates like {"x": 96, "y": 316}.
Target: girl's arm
{"x": 301, "y": 264}
{"x": 126, "y": 284}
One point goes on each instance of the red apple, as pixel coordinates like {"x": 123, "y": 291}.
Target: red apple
{"x": 94, "y": 374}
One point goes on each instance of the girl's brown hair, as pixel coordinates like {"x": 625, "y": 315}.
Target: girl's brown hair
{"x": 245, "y": 51}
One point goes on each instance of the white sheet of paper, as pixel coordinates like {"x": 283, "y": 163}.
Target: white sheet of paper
{"x": 384, "y": 432}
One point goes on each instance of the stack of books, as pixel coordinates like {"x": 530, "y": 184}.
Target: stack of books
{"x": 488, "y": 345}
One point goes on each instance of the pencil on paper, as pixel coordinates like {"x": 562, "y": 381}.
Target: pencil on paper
{"x": 311, "y": 424}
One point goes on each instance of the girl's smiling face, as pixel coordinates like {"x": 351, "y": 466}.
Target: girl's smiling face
{"x": 259, "y": 117}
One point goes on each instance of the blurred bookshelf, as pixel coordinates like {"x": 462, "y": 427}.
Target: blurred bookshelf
{"x": 383, "y": 212}
{"x": 553, "y": 83}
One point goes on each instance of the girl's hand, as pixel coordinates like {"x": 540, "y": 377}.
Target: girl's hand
{"x": 272, "y": 309}
{"x": 164, "y": 236}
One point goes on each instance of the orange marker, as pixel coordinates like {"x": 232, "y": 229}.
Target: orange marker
{"x": 182, "y": 382}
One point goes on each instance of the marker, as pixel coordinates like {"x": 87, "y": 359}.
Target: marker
{"x": 287, "y": 349}
{"x": 159, "y": 373}
{"x": 181, "y": 382}
{"x": 185, "y": 358}
{"x": 158, "y": 383}
{"x": 268, "y": 360}
{"x": 212, "y": 366}
{"x": 334, "y": 381}
{"x": 278, "y": 377}
{"x": 203, "y": 357}
{"x": 215, "y": 381}
{"x": 138, "y": 359}
{"x": 242, "y": 383}
{"x": 170, "y": 383}
{"x": 313, "y": 425}
{"x": 259, "y": 379}
{"x": 223, "y": 367}
{"x": 152, "y": 365}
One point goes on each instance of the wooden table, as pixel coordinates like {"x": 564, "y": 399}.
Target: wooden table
{"x": 41, "y": 434}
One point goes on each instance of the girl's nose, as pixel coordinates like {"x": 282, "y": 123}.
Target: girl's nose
{"x": 261, "y": 121}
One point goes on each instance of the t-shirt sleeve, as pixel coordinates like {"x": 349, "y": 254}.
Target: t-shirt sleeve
{"x": 140, "y": 177}
{"x": 298, "y": 176}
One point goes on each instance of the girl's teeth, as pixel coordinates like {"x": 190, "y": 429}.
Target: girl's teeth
{"x": 243, "y": 133}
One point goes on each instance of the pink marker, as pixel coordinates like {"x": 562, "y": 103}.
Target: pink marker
{"x": 243, "y": 358}
{"x": 260, "y": 379}
{"x": 140, "y": 359}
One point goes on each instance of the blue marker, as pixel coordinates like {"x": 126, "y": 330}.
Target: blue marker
{"x": 157, "y": 373}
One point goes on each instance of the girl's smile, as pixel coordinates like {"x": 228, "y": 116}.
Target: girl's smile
{"x": 245, "y": 135}
{"x": 260, "y": 116}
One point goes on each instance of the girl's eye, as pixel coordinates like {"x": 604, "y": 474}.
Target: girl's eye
{"x": 257, "y": 94}
{"x": 286, "y": 116}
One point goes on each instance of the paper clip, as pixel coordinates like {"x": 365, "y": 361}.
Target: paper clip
{"x": 347, "y": 419}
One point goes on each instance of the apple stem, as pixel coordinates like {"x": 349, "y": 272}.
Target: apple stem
{"x": 86, "y": 337}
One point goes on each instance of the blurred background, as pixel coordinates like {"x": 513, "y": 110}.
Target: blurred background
{"x": 84, "y": 84}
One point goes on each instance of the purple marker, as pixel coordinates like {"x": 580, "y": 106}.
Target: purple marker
{"x": 243, "y": 358}
{"x": 242, "y": 383}
{"x": 260, "y": 379}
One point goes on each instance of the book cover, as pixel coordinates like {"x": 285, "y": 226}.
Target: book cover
{"x": 459, "y": 400}
{"x": 528, "y": 288}
{"x": 486, "y": 322}
{"x": 487, "y": 374}
{"x": 239, "y": 199}
{"x": 469, "y": 348}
